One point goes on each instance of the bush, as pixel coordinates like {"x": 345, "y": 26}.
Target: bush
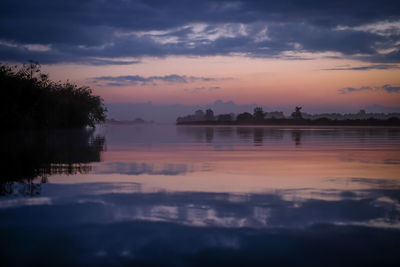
{"x": 30, "y": 100}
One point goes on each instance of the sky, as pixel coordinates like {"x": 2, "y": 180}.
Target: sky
{"x": 323, "y": 55}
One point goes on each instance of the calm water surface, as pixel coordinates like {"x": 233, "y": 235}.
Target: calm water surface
{"x": 167, "y": 195}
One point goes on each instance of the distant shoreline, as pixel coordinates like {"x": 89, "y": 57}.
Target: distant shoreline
{"x": 297, "y": 118}
{"x": 303, "y": 122}
{"x": 137, "y": 121}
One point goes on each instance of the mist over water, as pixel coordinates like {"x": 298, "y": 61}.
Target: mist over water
{"x": 192, "y": 195}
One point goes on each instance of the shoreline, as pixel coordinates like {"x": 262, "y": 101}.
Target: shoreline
{"x": 337, "y": 123}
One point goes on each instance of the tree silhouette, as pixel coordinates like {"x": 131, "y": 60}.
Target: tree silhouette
{"x": 297, "y": 114}
{"x": 245, "y": 117}
{"x": 30, "y": 100}
{"x": 199, "y": 115}
{"x": 209, "y": 115}
{"x": 258, "y": 114}
{"x": 225, "y": 117}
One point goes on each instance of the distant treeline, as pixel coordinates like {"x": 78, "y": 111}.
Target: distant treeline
{"x": 30, "y": 100}
{"x": 259, "y": 117}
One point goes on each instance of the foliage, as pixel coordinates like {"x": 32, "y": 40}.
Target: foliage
{"x": 245, "y": 117}
{"x": 259, "y": 117}
{"x": 258, "y": 114}
{"x": 225, "y": 117}
{"x": 209, "y": 115}
{"x": 30, "y": 100}
{"x": 297, "y": 114}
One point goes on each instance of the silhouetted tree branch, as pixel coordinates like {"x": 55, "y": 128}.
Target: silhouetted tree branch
{"x": 30, "y": 100}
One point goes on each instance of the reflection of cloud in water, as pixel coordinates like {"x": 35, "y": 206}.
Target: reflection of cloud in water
{"x": 255, "y": 210}
{"x": 378, "y": 183}
{"x": 282, "y": 208}
{"x": 102, "y": 225}
{"x": 391, "y": 161}
{"x": 375, "y": 183}
{"x": 134, "y": 168}
{"x": 19, "y": 202}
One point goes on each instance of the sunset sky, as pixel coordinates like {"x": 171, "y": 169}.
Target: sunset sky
{"x": 323, "y": 55}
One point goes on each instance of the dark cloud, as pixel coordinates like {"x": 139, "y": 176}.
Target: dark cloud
{"x": 391, "y": 161}
{"x": 151, "y": 80}
{"x": 391, "y": 89}
{"x": 105, "y": 32}
{"x": 352, "y": 89}
{"x": 369, "y": 67}
{"x": 387, "y": 88}
{"x": 22, "y": 53}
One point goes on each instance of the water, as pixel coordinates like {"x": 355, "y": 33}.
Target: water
{"x": 167, "y": 195}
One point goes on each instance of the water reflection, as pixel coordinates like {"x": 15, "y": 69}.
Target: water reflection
{"x": 291, "y": 208}
{"x": 296, "y": 137}
{"x": 101, "y": 224}
{"x": 275, "y": 135}
{"x": 166, "y": 195}
{"x": 134, "y": 168}
{"x": 30, "y": 157}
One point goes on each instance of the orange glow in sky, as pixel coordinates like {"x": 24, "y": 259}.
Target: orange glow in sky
{"x": 271, "y": 82}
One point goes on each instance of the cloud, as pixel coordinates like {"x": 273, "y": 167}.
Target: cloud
{"x": 202, "y": 89}
{"x": 391, "y": 89}
{"x": 48, "y": 54}
{"x": 352, "y": 89}
{"x": 127, "y": 80}
{"x": 387, "y": 88}
{"x": 107, "y": 32}
{"x": 368, "y": 67}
